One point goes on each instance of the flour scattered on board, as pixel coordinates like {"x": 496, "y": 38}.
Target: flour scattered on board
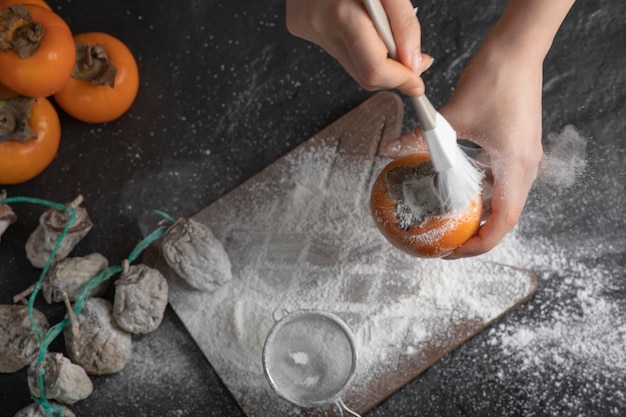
{"x": 315, "y": 246}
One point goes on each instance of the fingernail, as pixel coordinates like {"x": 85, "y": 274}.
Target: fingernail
{"x": 430, "y": 63}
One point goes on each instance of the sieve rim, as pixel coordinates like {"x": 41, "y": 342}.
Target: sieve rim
{"x": 300, "y": 314}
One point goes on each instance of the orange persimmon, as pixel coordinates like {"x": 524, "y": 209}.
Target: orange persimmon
{"x": 42, "y": 3}
{"x": 38, "y": 52}
{"x": 437, "y": 233}
{"x": 30, "y": 133}
{"x": 105, "y": 80}
{"x": 6, "y": 93}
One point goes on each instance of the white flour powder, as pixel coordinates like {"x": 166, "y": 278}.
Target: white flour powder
{"x": 314, "y": 245}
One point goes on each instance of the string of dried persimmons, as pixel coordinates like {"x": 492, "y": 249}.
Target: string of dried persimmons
{"x": 141, "y": 295}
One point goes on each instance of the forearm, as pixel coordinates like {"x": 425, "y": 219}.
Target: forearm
{"x": 529, "y": 26}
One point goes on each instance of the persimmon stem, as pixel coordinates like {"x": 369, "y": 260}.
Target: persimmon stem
{"x": 93, "y": 65}
{"x": 14, "y": 116}
{"x": 74, "y": 327}
{"x": 21, "y": 297}
{"x": 18, "y": 32}
{"x": 76, "y": 202}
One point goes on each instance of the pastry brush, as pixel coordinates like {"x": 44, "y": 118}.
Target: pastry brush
{"x": 458, "y": 179}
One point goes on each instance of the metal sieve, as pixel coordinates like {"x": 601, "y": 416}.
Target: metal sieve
{"x": 309, "y": 358}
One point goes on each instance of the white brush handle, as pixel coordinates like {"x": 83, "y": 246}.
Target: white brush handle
{"x": 426, "y": 113}
{"x": 425, "y": 110}
{"x": 381, "y": 22}
{"x": 442, "y": 154}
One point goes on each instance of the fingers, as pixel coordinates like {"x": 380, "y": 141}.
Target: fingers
{"x": 512, "y": 183}
{"x": 502, "y": 219}
{"x": 345, "y": 30}
{"x": 407, "y": 144}
{"x": 369, "y": 65}
{"x": 406, "y": 32}
{"x": 408, "y": 88}
{"x": 368, "y": 61}
{"x": 408, "y": 38}
{"x": 500, "y": 223}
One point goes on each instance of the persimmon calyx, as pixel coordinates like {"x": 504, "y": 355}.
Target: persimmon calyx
{"x": 18, "y": 32}
{"x": 93, "y": 65}
{"x": 14, "y": 115}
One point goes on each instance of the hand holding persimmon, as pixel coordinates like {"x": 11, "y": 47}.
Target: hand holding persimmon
{"x": 407, "y": 210}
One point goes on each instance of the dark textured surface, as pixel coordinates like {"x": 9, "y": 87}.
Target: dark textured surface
{"x": 225, "y": 91}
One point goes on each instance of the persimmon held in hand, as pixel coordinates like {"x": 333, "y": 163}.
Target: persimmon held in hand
{"x": 408, "y": 213}
{"x": 105, "y": 80}
{"x": 37, "y": 50}
{"x": 30, "y": 133}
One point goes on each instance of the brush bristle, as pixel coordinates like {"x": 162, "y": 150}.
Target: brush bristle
{"x": 459, "y": 185}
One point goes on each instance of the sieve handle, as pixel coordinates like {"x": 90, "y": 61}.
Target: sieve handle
{"x": 280, "y": 313}
{"x": 342, "y": 406}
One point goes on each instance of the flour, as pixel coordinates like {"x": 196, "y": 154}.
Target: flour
{"x": 299, "y": 358}
{"x": 309, "y": 358}
{"x": 564, "y": 160}
{"x": 575, "y": 339}
{"x": 314, "y": 246}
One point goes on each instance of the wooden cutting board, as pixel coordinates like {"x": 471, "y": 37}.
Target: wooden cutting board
{"x": 299, "y": 236}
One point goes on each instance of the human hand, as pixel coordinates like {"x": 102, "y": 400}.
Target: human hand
{"x": 344, "y": 29}
{"x": 497, "y": 105}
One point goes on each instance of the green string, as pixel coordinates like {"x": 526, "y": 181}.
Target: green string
{"x": 60, "y": 207}
{"x": 54, "y": 331}
{"x": 166, "y": 216}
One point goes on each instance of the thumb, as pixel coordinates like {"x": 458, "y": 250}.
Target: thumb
{"x": 409, "y": 143}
